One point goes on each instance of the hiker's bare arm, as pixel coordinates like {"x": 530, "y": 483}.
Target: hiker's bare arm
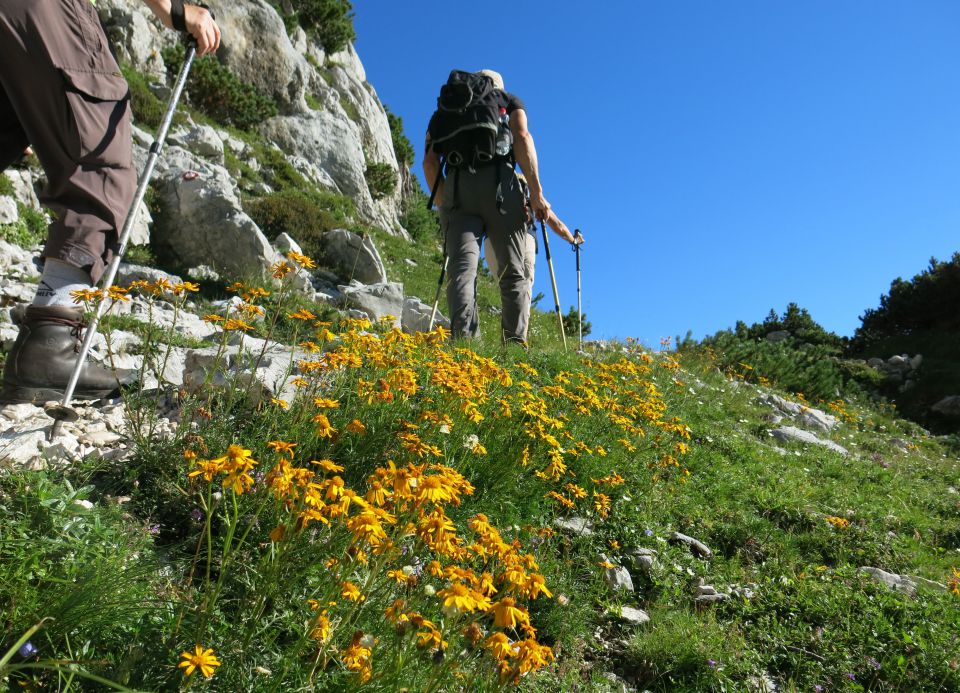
{"x": 526, "y": 155}
{"x": 199, "y": 21}
{"x": 431, "y": 167}
{"x": 559, "y": 228}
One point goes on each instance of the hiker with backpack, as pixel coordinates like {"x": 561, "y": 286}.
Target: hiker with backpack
{"x": 474, "y": 138}
{"x": 62, "y": 93}
{"x": 530, "y": 244}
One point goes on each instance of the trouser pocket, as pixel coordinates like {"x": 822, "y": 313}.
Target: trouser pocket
{"x": 98, "y": 105}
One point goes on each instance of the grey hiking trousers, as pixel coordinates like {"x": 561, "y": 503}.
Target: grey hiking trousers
{"x": 61, "y": 92}
{"x": 469, "y": 211}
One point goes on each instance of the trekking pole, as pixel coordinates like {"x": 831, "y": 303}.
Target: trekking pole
{"x": 436, "y": 300}
{"x": 553, "y": 280}
{"x": 63, "y": 411}
{"x": 577, "y": 242}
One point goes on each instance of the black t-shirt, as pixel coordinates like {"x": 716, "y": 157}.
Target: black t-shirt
{"x": 511, "y": 102}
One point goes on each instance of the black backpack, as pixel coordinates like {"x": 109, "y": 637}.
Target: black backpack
{"x": 467, "y": 128}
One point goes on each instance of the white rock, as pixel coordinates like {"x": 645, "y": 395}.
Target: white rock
{"x": 9, "y": 214}
{"x": 579, "y": 526}
{"x": 416, "y": 316}
{"x": 376, "y": 300}
{"x": 698, "y": 548}
{"x": 629, "y": 614}
{"x": 900, "y": 583}
{"x": 790, "y": 433}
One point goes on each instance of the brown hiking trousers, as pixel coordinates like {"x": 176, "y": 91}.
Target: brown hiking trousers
{"x": 62, "y": 93}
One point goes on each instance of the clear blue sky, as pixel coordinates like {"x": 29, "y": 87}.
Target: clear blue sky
{"x": 721, "y": 157}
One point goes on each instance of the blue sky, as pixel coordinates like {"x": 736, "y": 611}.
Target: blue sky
{"x": 721, "y": 158}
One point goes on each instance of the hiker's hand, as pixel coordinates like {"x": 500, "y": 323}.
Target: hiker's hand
{"x": 202, "y": 27}
{"x": 540, "y": 206}
{"x": 577, "y": 239}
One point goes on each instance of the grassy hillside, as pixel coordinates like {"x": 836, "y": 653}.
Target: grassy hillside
{"x": 397, "y": 528}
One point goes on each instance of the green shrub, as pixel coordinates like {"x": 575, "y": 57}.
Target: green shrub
{"x": 29, "y": 230}
{"x": 329, "y": 21}
{"x": 419, "y": 222}
{"x": 304, "y": 215}
{"x": 220, "y": 94}
{"x": 147, "y": 109}
{"x": 6, "y": 186}
{"x": 401, "y": 144}
{"x": 571, "y": 324}
{"x": 381, "y": 180}
{"x": 140, "y": 255}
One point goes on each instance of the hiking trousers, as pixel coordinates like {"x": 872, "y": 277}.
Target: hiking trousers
{"x": 470, "y": 211}
{"x": 62, "y": 93}
{"x": 529, "y": 266}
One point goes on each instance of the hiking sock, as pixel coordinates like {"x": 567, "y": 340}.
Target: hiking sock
{"x": 56, "y": 283}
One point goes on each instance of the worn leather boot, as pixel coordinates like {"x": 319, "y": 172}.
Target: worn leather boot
{"x": 44, "y": 356}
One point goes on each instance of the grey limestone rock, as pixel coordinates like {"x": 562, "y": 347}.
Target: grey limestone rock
{"x": 791, "y": 433}
{"x": 618, "y": 578}
{"x": 578, "y": 526}
{"x": 900, "y": 583}
{"x": 416, "y": 316}
{"x": 698, "y": 548}
{"x": 629, "y": 614}
{"x": 376, "y": 300}
{"x": 948, "y": 406}
{"x": 200, "y": 140}
{"x": 352, "y": 257}
{"x": 9, "y": 214}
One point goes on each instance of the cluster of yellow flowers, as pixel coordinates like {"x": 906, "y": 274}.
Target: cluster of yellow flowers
{"x": 401, "y": 537}
{"x": 838, "y": 522}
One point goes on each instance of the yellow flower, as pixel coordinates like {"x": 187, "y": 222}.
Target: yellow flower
{"x": 351, "y": 592}
{"x": 117, "y": 293}
{"x": 280, "y": 270}
{"x": 506, "y": 614}
{"x": 500, "y": 646}
{"x": 324, "y": 428}
{"x": 282, "y": 448}
{"x": 838, "y": 522}
{"x": 321, "y": 627}
{"x": 953, "y": 584}
{"x": 302, "y": 260}
{"x": 356, "y": 426}
{"x": 283, "y": 404}
{"x": 85, "y": 295}
{"x": 200, "y": 658}
{"x": 327, "y": 465}
{"x": 302, "y": 314}
{"x": 460, "y": 598}
{"x": 326, "y": 403}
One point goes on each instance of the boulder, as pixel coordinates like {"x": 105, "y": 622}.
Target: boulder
{"x": 376, "y": 300}
{"x": 127, "y": 273}
{"x": 578, "y": 526}
{"x": 136, "y": 35}
{"x": 204, "y": 220}
{"x": 618, "y": 578}
{"x": 899, "y": 583}
{"x": 9, "y": 214}
{"x": 23, "y": 187}
{"x": 200, "y": 140}
{"x": 242, "y": 367}
{"x": 629, "y": 614}
{"x": 948, "y": 406}
{"x": 257, "y": 49}
{"x": 697, "y": 548}
{"x": 352, "y": 257}
{"x": 416, "y": 316}
{"x": 791, "y": 433}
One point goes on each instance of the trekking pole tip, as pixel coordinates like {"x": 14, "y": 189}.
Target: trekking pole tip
{"x": 59, "y": 412}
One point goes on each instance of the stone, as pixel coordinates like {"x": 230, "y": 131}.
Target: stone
{"x": 698, "y": 548}
{"x": 352, "y": 257}
{"x": 707, "y": 599}
{"x": 618, "y": 578}
{"x": 128, "y": 273}
{"x": 644, "y": 560}
{"x": 376, "y": 300}
{"x": 900, "y": 583}
{"x": 203, "y": 273}
{"x": 334, "y": 143}
{"x": 629, "y": 614}
{"x": 135, "y": 34}
{"x": 204, "y": 220}
{"x": 23, "y": 449}
{"x": 23, "y": 187}
{"x": 9, "y": 214}
{"x": 200, "y": 140}
{"x": 242, "y": 367}
{"x": 916, "y": 362}
{"x": 256, "y": 49}
{"x": 948, "y": 406}
{"x": 789, "y": 433}
{"x": 578, "y": 526}
{"x": 897, "y": 361}
{"x": 875, "y": 362}
{"x": 284, "y": 243}
{"x": 821, "y": 421}
{"x": 416, "y": 316}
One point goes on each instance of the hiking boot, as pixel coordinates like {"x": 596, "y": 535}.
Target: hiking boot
{"x": 44, "y": 356}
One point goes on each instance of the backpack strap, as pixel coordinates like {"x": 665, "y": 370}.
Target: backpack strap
{"x": 436, "y": 186}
